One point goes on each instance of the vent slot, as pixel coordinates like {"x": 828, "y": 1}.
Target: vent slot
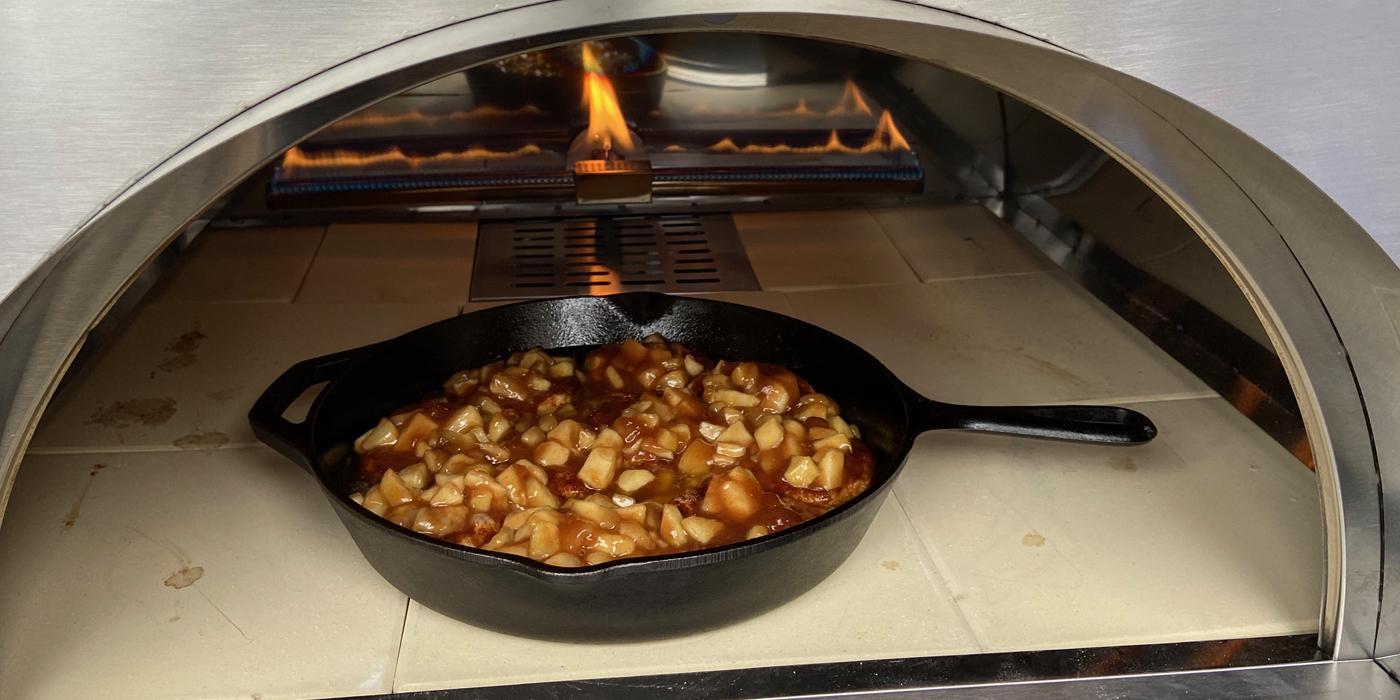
{"x": 604, "y": 255}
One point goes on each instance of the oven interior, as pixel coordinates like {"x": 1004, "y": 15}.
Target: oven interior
{"x": 981, "y": 249}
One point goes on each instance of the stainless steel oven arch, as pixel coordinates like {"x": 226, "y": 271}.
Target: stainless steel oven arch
{"x": 1260, "y": 216}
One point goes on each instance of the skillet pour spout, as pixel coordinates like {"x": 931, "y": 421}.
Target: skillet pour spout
{"x": 645, "y": 597}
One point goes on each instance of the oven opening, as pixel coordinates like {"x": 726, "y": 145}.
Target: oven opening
{"x": 985, "y": 252}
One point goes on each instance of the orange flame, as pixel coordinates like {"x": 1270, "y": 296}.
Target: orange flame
{"x": 885, "y": 139}
{"x": 300, "y": 163}
{"x": 370, "y": 118}
{"x": 851, "y": 102}
{"x": 607, "y": 129}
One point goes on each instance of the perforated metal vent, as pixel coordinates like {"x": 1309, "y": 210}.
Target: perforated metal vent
{"x": 600, "y": 255}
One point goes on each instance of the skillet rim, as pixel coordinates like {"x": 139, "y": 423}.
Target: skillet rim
{"x": 626, "y": 566}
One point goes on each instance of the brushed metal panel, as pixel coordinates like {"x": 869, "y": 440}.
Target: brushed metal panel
{"x": 117, "y": 87}
{"x": 157, "y": 108}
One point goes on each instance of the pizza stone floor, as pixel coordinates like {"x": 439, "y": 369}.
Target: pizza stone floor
{"x": 152, "y": 548}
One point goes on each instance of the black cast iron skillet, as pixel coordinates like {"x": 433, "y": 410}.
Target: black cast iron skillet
{"x": 642, "y": 597}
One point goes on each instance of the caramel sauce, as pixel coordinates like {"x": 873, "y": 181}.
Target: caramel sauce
{"x": 670, "y": 415}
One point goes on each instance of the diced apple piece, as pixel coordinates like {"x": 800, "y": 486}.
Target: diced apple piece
{"x": 739, "y": 499}
{"x": 614, "y": 544}
{"x": 636, "y": 513}
{"x": 614, "y": 379}
{"x": 632, "y": 480}
{"x": 710, "y": 431}
{"x": 756, "y": 531}
{"x": 595, "y": 558}
{"x": 737, "y": 399}
{"x": 544, "y": 540}
{"x": 495, "y": 454}
{"x": 503, "y": 537}
{"x": 418, "y": 428}
{"x": 775, "y": 399}
{"x": 599, "y": 468}
{"x": 508, "y": 387}
{"x": 393, "y": 489}
{"x": 456, "y": 464}
{"x": 632, "y": 351}
{"x": 449, "y": 493}
{"x": 415, "y": 476}
{"x": 546, "y": 515}
{"x": 517, "y": 520}
{"x": 672, "y": 529}
{"x": 801, "y": 471}
{"x": 607, "y": 437}
{"x": 534, "y": 470}
{"x": 566, "y": 433}
{"x": 769, "y": 434}
{"x": 693, "y": 366}
{"x": 374, "y": 501}
{"x": 836, "y": 441}
{"x": 383, "y": 434}
{"x": 601, "y": 515}
{"x": 562, "y": 369}
{"x": 831, "y": 466}
{"x": 745, "y": 374}
{"x": 713, "y": 503}
{"x": 552, "y": 454}
{"x": 482, "y": 498}
{"x": 586, "y": 438}
{"x": 513, "y": 478}
{"x": 532, "y": 357}
{"x": 538, "y": 384}
{"x": 441, "y": 521}
{"x": 463, "y": 419}
{"x": 737, "y": 433}
{"x": 537, "y": 494}
{"x": 730, "y": 450}
{"x": 532, "y": 437}
{"x": 497, "y": 427}
{"x": 702, "y": 529}
{"x": 564, "y": 559}
{"x": 696, "y": 458}
{"x": 637, "y": 534}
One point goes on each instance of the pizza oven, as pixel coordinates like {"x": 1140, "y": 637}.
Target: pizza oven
{"x": 995, "y": 220}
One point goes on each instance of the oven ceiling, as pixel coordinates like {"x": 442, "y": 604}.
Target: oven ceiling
{"x": 90, "y": 89}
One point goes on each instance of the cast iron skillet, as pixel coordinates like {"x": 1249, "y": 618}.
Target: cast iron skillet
{"x": 643, "y": 597}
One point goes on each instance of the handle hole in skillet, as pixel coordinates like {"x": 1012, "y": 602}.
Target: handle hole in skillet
{"x": 296, "y": 410}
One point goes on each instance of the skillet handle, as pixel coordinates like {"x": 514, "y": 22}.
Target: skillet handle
{"x": 293, "y": 440}
{"x": 1108, "y": 425}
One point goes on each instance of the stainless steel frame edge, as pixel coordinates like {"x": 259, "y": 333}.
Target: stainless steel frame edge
{"x": 100, "y": 260}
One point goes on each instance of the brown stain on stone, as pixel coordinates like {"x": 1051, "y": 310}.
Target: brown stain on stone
{"x": 1054, "y": 370}
{"x": 71, "y": 518}
{"x": 185, "y": 576}
{"x": 202, "y": 441}
{"x": 182, "y": 350}
{"x": 890, "y": 564}
{"x": 1123, "y": 463}
{"x": 1033, "y": 539}
{"x": 123, "y": 414}
{"x": 220, "y": 396}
